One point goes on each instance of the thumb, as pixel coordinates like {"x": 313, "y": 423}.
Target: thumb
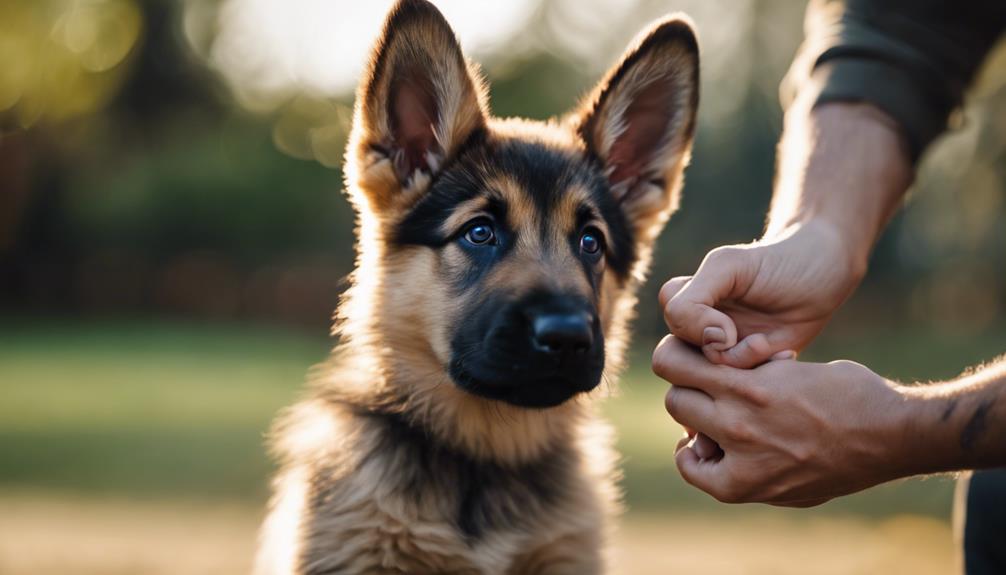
{"x": 749, "y": 352}
{"x": 752, "y": 351}
{"x": 691, "y": 312}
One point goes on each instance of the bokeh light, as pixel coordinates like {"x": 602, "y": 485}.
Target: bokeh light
{"x": 63, "y": 58}
{"x": 173, "y": 241}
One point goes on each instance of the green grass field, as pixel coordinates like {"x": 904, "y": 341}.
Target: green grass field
{"x": 150, "y": 433}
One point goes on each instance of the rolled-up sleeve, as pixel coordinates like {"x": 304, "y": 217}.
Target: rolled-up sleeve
{"x": 913, "y": 59}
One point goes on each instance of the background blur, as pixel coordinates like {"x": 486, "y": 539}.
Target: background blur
{"x": 173, "y": 241}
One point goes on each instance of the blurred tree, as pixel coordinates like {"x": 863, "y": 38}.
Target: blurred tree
{"x": 138, "y": 175}
{"x": 116, "y": 202}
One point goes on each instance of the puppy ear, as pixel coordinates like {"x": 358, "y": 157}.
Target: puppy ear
{"x": 640, "y": 120}
{"x": 418, "y": 102}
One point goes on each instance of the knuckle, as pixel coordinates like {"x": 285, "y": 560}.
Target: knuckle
{"x": 661, "y": 362}
{"x": 675, "y": 311}
{"x": 672, "y": 287}
{"x": 844, "y": 368}
{"x": 738, "y": 431}
{"x": 754, "y": 394}
{"x": 669, "y": 401}
{"x": 678, "y": 281}
{"x": 732, "y": 382}
{"x": 724, "y": 255}
{"x": 801, "y": 455}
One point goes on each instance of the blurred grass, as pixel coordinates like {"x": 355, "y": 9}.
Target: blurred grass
{"x": 179, "y": 410}
{"x": 147, "y": 434}
{"x": 46, "y": 535}
{"x": 145, "y": 410}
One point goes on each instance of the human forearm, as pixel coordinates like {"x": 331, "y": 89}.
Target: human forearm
{"x": 872, "y": 86}
{"x": 914, "y": 59}
{"x": 843, "y": 166}
{"x": 956, "y": 425}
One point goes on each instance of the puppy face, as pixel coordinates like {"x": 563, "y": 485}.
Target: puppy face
{"x": 525, "y": 234}
{"x": 504, "y": 253}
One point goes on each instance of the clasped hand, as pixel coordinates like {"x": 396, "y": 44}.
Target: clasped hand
{"x": 763, "y": 427}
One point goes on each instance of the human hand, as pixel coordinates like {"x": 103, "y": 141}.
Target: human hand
{"x": 748, "y": 303}
{"x": 843, "y": 169}
{"x": 791, "y": 433}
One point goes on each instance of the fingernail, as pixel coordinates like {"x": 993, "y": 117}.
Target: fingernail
{"x": 713, "y": 335}
{"x": 787, "y": 354}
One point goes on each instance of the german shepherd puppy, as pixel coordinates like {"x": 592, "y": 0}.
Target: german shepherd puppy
{"x": 498, "y": 260}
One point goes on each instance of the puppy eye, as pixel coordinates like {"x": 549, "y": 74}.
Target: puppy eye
{"x": 590, "y": 242}
{"x": 480, "y": 233}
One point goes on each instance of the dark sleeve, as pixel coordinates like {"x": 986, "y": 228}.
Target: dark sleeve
{"x": 911, "y": 58}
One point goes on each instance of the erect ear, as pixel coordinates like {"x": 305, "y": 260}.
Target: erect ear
{"x": 418, "y": 102}
{"x": 640, "y": 120}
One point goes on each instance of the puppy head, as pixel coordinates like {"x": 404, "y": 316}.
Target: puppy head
{"x": 499, "y": 257}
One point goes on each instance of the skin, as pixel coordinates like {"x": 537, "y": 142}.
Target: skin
{"x": 763, "y": 427}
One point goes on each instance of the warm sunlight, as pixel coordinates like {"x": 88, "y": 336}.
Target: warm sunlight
{"x": 453, "y": 326}
{"x": 268, "y": 49}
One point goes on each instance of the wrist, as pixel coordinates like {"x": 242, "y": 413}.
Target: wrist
{"x": 841, "y": 246}
{"x": 842, "y": 164}
{"x": 886, "y": 430}
{"x": 918, "y": 449}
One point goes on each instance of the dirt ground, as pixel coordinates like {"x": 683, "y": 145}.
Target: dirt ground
{"x": 43, "y": 535}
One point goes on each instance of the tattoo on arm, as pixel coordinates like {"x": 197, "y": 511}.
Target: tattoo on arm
{"x": 951, "y": 406}
{"x": 976, "y": 425}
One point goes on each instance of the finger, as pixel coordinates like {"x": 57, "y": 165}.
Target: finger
{"x": 706, "y": 474}
{"x": 784, "y": 355}
{"x": 699, "y": 324}
{"x": 725, "y": 273}
{"x": 706, "y": 448}
{"x": 751, "y": 351}
{"x": 671, "y": 288}
{"x": 680, "y": 364}
{"x": 691, "y": 408}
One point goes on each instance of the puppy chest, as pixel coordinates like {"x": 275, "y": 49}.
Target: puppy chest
{"x": 416, "y": 506}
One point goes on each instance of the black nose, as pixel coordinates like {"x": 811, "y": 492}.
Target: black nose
{"x": 562, "y": 333}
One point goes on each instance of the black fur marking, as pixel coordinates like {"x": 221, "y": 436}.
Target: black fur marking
{"x": 486, "y": 495}
{"x": 480, "y": 259}
{"x": 422, "y": 226}
{"x": 494, "y": 355}
{"x": 976, "y": 425}
{"x": 458, "y": 181}
{"x": 544, "y": 173}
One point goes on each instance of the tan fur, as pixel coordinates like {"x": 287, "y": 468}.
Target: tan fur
{"x": 339, "y": 506}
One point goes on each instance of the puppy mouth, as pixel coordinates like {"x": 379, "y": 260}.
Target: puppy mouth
{"x": 534, "y": 391}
